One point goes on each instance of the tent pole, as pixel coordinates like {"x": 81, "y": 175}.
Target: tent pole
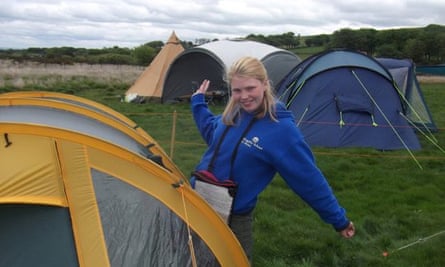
{"x": 301, "y": 118}
{"x": 172, "y": 141}
{"x": 285, "y": 91}
{"x": 294, "y": 94}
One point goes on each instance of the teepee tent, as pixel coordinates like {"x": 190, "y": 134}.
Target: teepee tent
{"x": 343, "y": 98}
{"x": 80, "y": 187}
{"x": 150, "y": 83}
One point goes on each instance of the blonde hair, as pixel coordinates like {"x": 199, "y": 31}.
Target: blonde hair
{"x": 249, "y": 67}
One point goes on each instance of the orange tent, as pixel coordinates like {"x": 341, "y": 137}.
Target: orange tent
{"x": 151, "y": 82}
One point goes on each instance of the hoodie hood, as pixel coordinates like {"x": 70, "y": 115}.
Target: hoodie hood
{"x": 281, "y": 111}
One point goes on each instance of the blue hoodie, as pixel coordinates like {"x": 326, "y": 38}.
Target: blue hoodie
{"x": 267, "y": 148}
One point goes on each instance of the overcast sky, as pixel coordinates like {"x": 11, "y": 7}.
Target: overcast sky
{"x": 130, "y": 23}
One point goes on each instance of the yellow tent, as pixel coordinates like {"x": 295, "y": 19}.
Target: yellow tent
{"x": 103, "y": 113}
{"x": 80, "y": 187}
{"x": 151, "y": 82}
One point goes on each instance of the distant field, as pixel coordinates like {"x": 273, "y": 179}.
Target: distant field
{"x": 305, "y": 52}
{"x": 20, "y": 75}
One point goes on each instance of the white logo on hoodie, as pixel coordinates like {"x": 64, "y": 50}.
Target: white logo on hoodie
{"x": 254, "y": 142}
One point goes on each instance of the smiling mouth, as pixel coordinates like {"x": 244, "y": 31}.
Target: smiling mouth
{"x": 246, "y": 104}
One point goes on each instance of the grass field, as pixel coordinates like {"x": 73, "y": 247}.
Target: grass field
{"x": 397, "y": 207}
{"x": 305, "y": 52}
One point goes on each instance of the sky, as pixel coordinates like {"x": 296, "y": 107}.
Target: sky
{"x": 131, "y": 23}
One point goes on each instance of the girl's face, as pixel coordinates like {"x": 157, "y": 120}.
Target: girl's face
{"x": 248, "y": 92}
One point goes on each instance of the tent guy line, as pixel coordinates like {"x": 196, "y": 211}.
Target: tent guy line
{"x": 418, "y": 241}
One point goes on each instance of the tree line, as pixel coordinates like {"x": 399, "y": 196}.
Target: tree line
{"x": 425, "y": 46}
{"x": 140, "y": 55}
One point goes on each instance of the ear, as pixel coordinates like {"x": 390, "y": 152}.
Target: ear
{"x": 265, "y": 84}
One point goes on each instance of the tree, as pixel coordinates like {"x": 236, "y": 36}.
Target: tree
{"x": 317, "y": 40}
{"x": 288, "y": 40}
{"x": 433, "y": 37}
{"x": 257, "y": 38}
{"x": 415, "y": 50}
{"x": 187, "y": 44}
{"x": 155, "y": 44}
{"x": 367, "y": 40}
{"x": 201, "y": 41}
{"x": 344, "y": 38}
{"x": 113, "y": 58}
{"x": 388, "y": 50}
{"x": 144, "y": 54}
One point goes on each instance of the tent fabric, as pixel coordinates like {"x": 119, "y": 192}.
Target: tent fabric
{"x": 100, "y": 112}
{"x": 211, "y": 60}
{"x": 49, "y": 226}
{"x": 150, "y": 83}
{"x": 93, "y": 181}
{"x": 343, "y": 98}
{"x": 404, "y": 74}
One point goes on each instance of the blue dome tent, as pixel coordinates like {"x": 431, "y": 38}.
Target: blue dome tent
{"x": 343, "y": 98}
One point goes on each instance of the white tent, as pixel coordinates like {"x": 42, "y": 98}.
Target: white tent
{"x": 210, "y": 61}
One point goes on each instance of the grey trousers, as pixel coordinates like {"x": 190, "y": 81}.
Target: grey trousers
{"x": 242, "y": 227}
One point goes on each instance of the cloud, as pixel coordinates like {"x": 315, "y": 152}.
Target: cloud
{"x": 99, "y": 23}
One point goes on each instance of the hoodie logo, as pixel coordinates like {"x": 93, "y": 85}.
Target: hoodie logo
{"x": 253, "y": 142}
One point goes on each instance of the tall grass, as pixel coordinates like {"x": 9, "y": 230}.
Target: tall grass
{"x": 396, "y": 206}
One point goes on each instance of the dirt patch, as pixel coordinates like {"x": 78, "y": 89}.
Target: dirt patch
{"x": 430, "y": 79}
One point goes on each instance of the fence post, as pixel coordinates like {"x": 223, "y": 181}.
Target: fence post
{"x": 172, "y": 141}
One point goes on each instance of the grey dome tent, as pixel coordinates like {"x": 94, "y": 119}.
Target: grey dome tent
{"x": 210, "y": 61}
{"x": 404, "y": 74}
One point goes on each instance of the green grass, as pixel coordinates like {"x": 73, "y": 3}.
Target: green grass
{"x": 396, "y": 206}
{"x": 305, "y": 52}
